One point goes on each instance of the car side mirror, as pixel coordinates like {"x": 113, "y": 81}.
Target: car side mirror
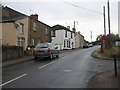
{"x": 56, "y": 47}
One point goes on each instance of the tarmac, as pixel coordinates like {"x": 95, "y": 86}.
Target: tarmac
{"x": 101, "y": 80}
{"x": 106, "y": 79}
{"x": 23, "y": 59}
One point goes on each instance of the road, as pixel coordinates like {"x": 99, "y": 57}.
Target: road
{"x": 72, "y": 69}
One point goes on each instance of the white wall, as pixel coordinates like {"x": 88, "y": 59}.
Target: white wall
{"x": 58, "y": 40}
{"x": 60, "y": 37}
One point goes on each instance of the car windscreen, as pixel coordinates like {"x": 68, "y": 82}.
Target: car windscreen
{"x": 42, "y": 46}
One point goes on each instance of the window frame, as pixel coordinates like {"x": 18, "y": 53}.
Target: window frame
{"x": 66, "y": 33}
{"x": 21, "y": 28}
{"x": 34, "y": 26}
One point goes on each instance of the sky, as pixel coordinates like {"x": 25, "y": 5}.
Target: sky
{"x": 88, "y": 14}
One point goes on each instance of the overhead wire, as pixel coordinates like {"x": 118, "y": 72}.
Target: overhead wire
{"x": 82, "y": 8}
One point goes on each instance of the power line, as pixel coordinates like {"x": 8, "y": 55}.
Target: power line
{"x": 83, "y": 8}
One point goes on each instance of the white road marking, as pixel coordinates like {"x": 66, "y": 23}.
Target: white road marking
{"x": 13, "y": 79}
{"x": 67, "y": 70}
{"x": 46, "y": 65}
{"x": 65, "y": 56}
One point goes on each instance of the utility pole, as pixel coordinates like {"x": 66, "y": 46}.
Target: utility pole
{"x": 109, "y": 17}
{"x": 75, "y": 24}
{"x": 104, "y": 20}
{"x": 91, "y": 36}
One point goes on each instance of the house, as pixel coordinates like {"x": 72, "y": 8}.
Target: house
{"x": 82, "y": 40}
{"x": 79, "y": 40}
{"x": 63, "y": 37}
{"x": 21, "y": 30}
{"x": 38, "y": 32}
{"x": 14, "y": 28}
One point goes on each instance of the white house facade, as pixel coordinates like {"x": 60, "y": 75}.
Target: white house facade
{"x": 63, "y": 37}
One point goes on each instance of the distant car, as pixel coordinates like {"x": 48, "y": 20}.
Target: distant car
{"x": 85, "y": 46}
{"x": 45, "y": 50}
{"x": 90, "y": 45}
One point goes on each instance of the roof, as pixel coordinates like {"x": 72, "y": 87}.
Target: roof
{"x": 14, "y": 15}
{"x": 10, "y": 15}
{"x": 60, "y": 27}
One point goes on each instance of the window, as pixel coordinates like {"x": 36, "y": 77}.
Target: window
{"x": 34, "y": 26}
{"x": 21, "y": 28}
{"x": 71, "y": 35}
{"x": 46, "y": 31}
{"x": 32, "y": 41}
{"x": 67, "y": 43}
{"x": 64, "y": 43}
{"x": 53, "y": 34}
{"x": 65, "y": 33}
{"x": 21, "y": 41}
{"x": 38, "y": 41}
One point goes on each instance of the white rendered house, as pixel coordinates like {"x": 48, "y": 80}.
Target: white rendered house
{"x": 63, "y": 37}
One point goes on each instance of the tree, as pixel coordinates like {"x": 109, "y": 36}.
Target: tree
{"x": 99, "y": 37}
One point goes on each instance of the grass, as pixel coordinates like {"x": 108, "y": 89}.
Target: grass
{"x": 108, "y": 53}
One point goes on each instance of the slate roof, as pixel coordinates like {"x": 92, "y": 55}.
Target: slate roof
{"x": 60, "y": 27}
{"x": 14, "y": 16}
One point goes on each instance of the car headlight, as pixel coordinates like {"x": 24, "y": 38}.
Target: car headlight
{"x": 28, "y": 48}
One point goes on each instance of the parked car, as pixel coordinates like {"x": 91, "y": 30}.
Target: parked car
{"x": 45, "y": 50}
{"x": 85, "y": 46}
{"x": 90, "y": 45}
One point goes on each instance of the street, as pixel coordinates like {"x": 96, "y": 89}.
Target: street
{"x": 72, "y": 69}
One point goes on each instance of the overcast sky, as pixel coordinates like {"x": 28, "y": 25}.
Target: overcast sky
{"x": 88, "y": 13}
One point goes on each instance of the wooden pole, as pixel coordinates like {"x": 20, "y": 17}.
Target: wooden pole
{"x": 104, "y": 20}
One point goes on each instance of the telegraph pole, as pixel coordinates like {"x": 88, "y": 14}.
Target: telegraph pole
{"x": 104, "y": 20}
{"x": 109, "y": 17}
{"x": 91, "y": 36}
{"x": 75, "y": 24}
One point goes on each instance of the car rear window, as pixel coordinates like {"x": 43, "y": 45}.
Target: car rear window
{"x": 42, "y": 46}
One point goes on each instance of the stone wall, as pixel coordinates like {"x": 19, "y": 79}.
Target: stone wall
{"x": 11, "y": 52}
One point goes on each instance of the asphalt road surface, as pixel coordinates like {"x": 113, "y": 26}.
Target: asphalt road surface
{"x": 72, "y": 69}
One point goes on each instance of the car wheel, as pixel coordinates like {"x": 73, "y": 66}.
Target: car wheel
{"x": 35, "y": 58}
{"x": 51, "y": 56}
{"x": 57, "y": 56}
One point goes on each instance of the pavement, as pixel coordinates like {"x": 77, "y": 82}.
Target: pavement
{"x": 16, "y": 61}
{"x": 24, "y": 59}
{"x": 105, "y": 79}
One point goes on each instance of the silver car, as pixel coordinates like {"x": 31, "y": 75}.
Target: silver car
{"x": 45, "y": 50}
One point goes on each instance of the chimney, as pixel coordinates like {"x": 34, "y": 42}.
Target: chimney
{"x": 34, "y": 16}
{"x": 73, "y": 29}
{"x": 68, "y": 27}
{"x": 78, "y": 32}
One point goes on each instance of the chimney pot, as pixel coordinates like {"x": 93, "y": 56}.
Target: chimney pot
{"x": 34, "y": 16}
{"x": 68, "y": 27}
